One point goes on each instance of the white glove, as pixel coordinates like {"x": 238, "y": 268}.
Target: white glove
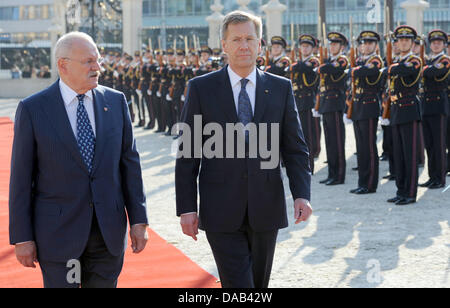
{"x": 168, "y": 98}
{"x": 346, "y": 119}
{"x": 139, "y": 92}
{"x": 385, "y": 122}
{"x": 158, "y": 94}
{"x": 182, "y": 98}
{"x": 149, "y": 92}
{"x": 315, "y": 113}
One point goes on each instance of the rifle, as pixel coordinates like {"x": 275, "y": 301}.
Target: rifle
{"x": 387, "y": 102}
{"x": 352, "y": 57}
{"x": 323, "y": 55}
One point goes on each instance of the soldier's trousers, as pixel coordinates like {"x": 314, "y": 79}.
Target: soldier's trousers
{"x": 366, "y": 146}
{"x": 435, "y": 131}
{"x": 169, "y": 111}
{"x": 306, "y": 119}
{"x": 317, "y": 133}
{"x": 406, "y": 158}
{"x": 139, "y": 104}
{"x": 388, "y": 147}
{"x": 334, "y": 130}
{"x": 448, "y": 144}
{"x": 148, "y": 102}
{"x": 159, "y": 115}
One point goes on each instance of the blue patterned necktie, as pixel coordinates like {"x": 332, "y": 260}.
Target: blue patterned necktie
{"x": 245, "y": 113}
{"x": 85, "y": 134}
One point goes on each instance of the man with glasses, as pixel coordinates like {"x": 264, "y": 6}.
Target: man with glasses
{"x": 74, "y": 171}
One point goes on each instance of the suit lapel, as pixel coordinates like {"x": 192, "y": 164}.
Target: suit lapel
{"x": 100, "y": 110}
{"x": 226, "y": 98}
{"x": 57, "y": 116}
{"x": 262, "y": 91}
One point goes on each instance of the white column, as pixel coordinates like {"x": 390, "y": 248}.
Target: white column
{"x": 57, "y": 29}
{"x": 414, "y": 13}
{"x": 215, "y": 21}
{"x": 131, "y": 25}
{"x": 243, "y": 5}
{"x": 274, "y": 18}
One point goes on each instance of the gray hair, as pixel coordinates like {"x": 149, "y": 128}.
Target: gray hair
{"x": 65, "y": 43}
{"x": 238, "y": 17}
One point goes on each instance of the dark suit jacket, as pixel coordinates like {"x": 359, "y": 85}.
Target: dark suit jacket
{"x": 53, "y": 196}
{"x": 229, "y": 187}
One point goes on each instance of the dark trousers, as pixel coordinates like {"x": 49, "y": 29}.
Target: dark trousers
{"x": 317, "y": 133}
{"x": 388, "y": 147}
{"x": 159, "y": 115}
{"x": 244, "y": 258}
{"x": 366, "y": 146}
{"x": 169, "y": 112}
{"x": 306, "y": 119}
{"x": 139, "y": 104}
{"x": 435, "y": 130}
{"x": 406, "y": 158}
{"x": 333, "y": 126}
{"x": 148, "y": 103}
{"x": 99, "y": 269}
{"x": 448, "y": 144}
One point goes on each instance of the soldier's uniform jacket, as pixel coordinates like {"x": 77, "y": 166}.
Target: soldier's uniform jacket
{"x": 203, "y": 69}
{"x": 165, "y": 80}
{"x": 156, "y": 77}
{"x": 435, "y": 80}
{"x": 368, "y": 79}
{"x": 127, "y": 81}
{"x": 146, "y": 77}
{"x": 404, "y": 88}
{"x": 177, "y": 77}
{"x": 279, "y": 66}
{"x": 305, "y": 82}
{"x": 332, "y": 91}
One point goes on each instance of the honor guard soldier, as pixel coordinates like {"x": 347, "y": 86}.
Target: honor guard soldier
{"x": 305, "y": 86}
{"x": 127, "y": 84}
{"x": 135, "y": 91}
{"x": 166, "y": 82}
{"x": 156, "y": 70}
{"x": 145, "y": 86}
{"x": 436, "y": 108}
{"x": 332, "y": 105}
{"x": 205, "y": 65}
{"x": 278, "y": 62}
{"x": 178, "y": 83}
{"x": 365, "y": 111}
{"x": 405, "y": 116}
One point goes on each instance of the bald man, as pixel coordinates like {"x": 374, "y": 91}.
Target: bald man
{"x": 75, "y": 175}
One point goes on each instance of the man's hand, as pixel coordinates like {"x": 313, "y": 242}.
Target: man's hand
{"x": 139, "y": 237}
{"x": 189, "y": 224}
{"x": 26, "y": 254}
{"x": 302, "y": 210}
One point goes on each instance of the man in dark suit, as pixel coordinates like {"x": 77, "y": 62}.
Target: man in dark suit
{"x": 242, "y": 205}
{"x": 74, "y": 171}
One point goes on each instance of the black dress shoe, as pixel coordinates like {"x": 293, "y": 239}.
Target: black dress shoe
{"x": 354, "y": 191}
{"x": 389, "y": 177}
{"x": 324, "y": 181}
{"x": 364, "y": 191}
{"x": 427, "y": 183}
{"x": 355, "y": 168}
{"x": 395, "y": 199}
{"x": 384, "y": 157}
{"x": 334, "y": 182}
{"x": 436, "y": 185}
{"x": 405, "y": 201}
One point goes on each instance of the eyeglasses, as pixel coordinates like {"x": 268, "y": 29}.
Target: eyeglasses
{"x": 89, "y": 62}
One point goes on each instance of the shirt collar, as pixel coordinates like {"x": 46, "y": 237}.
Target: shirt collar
{"x": 433, "y": 57}
{"x": 405, "y": 56}
{"x": 235, "y": 78}
{"x": 68, "y": 94}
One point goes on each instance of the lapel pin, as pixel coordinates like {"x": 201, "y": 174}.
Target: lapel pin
{"x": 266, "y": 91}
{"x": 106, "y": 109}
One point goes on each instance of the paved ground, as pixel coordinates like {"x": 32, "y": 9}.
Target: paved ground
{"x": 350, "y": 241}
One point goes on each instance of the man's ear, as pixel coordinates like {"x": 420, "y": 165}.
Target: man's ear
{"x": 61, "y": 64}
{"x": 224, "y": 45}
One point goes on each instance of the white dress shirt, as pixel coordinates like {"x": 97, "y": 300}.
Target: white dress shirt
{"x": 235, "y": 81}
{"x": 71, "y": 103}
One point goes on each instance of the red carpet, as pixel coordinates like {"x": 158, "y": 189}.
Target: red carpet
{"x": 160, "y": 265}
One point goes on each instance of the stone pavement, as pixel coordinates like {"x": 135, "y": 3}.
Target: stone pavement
{"x": 350, "y": 240}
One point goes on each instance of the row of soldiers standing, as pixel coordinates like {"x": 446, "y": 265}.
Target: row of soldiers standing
{"x": 406, "y": 92}
{"x": 155, "y": 82}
